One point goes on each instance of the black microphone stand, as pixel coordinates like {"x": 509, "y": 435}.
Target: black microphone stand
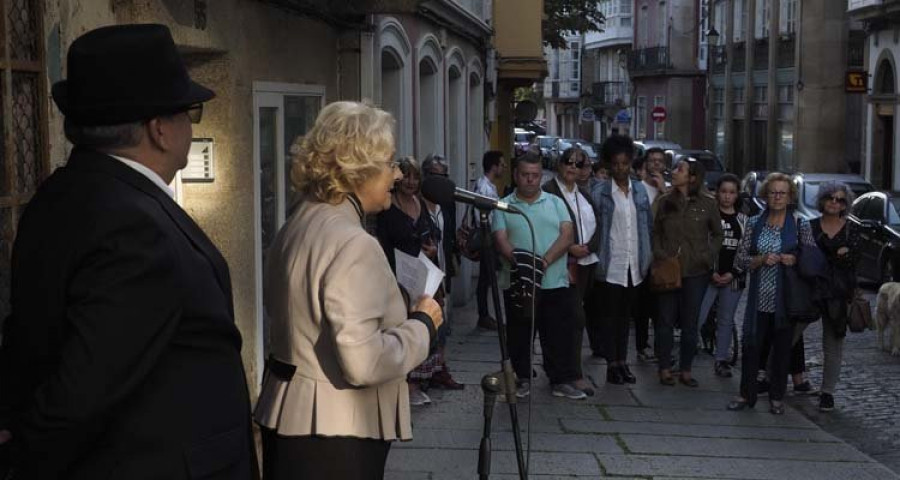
{"x": 504, "y": 380}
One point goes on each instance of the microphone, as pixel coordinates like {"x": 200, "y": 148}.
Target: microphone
{"x": 442, "y": 191}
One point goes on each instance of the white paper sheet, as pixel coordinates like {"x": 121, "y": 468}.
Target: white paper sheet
{"x": 419, "y": 276}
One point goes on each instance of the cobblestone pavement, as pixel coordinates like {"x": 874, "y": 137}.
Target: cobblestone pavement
{"x": 867, "y": 397}
{"x": 645, "y": 431}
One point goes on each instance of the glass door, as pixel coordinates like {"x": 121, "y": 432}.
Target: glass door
{"x": 282, "y": 113}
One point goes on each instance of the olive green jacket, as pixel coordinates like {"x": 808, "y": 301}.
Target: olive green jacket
{"x": 691, "y": 229}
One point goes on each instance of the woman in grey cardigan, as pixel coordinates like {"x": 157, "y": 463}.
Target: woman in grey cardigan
{"x": 342, "y": 340}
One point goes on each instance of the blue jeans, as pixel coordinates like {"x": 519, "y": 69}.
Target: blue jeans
{"x": 728, "y": 302}
{"x": 680, "y": 307}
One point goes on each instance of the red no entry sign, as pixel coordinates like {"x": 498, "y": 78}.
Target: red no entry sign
{"x": 658, "y": 114}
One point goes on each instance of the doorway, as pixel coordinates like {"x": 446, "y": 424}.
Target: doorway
{"x": 281, "y": 113}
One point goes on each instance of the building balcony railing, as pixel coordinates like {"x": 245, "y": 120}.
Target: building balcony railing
{"x": 856, "y": 49}
{"x": 605, "y": 94}
{"x": 647, "y": 60}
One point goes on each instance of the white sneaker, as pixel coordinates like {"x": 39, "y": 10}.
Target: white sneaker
{"x": 568, "y": 391}
{"x": 418, "y": 398}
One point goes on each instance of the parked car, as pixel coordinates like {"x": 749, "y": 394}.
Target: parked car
{"x": 750, "y": 185}
{"x": 876, "y": 214}
{"x": 807, "y": 189}
{"x": 545, "y": 143}
{"x": 561, "y": 144}
{"x": 521, "y": 140}
{"x": 710, "y": 161}
{"x": 641, "y": 146}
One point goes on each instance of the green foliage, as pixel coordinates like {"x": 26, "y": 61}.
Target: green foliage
{"x": 567, "y": 17}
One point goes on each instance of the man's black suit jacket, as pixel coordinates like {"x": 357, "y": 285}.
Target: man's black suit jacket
{"x": 121, "y": 358}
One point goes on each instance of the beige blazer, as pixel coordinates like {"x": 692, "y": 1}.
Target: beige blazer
{"x": 336, "y": 313}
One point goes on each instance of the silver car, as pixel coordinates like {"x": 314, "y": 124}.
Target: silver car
{"x": 807, "y": 189}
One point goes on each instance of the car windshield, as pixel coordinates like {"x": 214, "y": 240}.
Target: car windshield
{"x": 546, "y": 142}
{"x": 811, "y": 190}
{"x": 894, "y": 211}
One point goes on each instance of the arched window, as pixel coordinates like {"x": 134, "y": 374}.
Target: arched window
{"x": 884, "y": 81}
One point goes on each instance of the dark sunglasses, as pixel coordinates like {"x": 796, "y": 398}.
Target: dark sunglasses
{"x": 836, "y": 199}
{"x": 579, "y": 164}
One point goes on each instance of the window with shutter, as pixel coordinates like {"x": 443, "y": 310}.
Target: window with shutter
{"x": 23, "y": 151}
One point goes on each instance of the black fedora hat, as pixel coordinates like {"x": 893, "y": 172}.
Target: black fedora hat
{"x": 125, "y": 73}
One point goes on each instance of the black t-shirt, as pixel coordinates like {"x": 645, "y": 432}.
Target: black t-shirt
{"x": 731, "y": 231}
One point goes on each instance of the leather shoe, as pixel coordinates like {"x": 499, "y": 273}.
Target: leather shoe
{"x": 626, "y": 374}
{"x": 668, "y": 381}
{"x": 776, "y": 408}
{"x": 614, "y": 376}
{"x": 689, "y": 382}
{"x": 444, "y": 380}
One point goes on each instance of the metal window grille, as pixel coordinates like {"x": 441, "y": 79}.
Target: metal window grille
{"x": 23, "y": 151}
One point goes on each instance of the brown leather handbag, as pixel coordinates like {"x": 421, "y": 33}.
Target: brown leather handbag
{"x": 859, "y": 314}
{"x": 665, "y": 274}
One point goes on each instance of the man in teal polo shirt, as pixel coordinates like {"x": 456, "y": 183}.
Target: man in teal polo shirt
{"x": 555, "y": 302}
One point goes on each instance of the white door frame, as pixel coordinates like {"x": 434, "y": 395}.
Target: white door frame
{"x": 270, "y": 94}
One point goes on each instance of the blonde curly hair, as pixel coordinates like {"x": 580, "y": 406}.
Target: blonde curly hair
{"x": 348, "y": 146}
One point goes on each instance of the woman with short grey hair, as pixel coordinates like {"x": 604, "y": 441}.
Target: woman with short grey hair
{"x": 839, "y": 241}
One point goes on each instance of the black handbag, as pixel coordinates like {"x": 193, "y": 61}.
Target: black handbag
{"x": 799, "y": 297}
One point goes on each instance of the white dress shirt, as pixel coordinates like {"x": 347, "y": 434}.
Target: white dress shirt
{"x": 150, "y": 174}
{"x": 623, "y": 240}
{"x": 486, "y": 187}
{"x": 585, "y": 221}
{"x": 652, "y": 192}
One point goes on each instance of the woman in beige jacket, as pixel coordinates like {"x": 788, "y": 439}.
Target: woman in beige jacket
{"x": 334, "y": 392}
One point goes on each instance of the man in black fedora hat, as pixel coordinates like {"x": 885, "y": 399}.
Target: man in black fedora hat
{"x": 121, "y": 358}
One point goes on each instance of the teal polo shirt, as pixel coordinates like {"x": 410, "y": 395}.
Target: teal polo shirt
{"x": 547, "y": 213}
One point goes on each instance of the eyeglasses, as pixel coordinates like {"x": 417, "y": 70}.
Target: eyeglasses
{"x": 836, "y": 199}
{"x": 778, "y": 194}
{"x": 194, "y": 112}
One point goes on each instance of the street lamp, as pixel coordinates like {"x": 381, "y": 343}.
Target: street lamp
{"x": 712, "y": 36}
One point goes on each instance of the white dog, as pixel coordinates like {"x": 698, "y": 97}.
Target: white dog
{"x": 887, "y": 314}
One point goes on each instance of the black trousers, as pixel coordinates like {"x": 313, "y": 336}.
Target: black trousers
{"x": 585, "y": 310}
{"x": 797, "y": 363}
{"x": 555, "y": 326}
{"x": 644, "y": 311}
{"x": 483, "y": 290}
{"x": 620, "y": 307}
{"x": 334, "y": 458}
{"x": 780, "y": 341}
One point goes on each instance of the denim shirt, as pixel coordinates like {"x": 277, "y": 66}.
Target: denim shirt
{"x": 601, "y": 196}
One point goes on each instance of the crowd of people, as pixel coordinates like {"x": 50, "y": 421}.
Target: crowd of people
{"x": 628, "y": 241}
{"x": 122, "y": 307}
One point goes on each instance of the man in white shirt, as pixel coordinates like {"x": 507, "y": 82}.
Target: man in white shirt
{"x": 493, "y": 165}
{"x": 625, "y": 253}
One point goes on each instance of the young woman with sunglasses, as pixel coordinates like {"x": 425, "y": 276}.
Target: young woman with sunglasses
{"x": 839, "y": 241}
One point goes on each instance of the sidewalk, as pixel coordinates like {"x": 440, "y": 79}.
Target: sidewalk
{"x": 645, "y": 431}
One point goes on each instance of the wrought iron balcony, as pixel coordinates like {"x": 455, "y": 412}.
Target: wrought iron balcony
{"x": 608, "y": 94}
{"x": 648, "y": 60}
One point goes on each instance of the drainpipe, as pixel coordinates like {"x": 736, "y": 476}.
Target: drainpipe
{"x": 772, "y": 136}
